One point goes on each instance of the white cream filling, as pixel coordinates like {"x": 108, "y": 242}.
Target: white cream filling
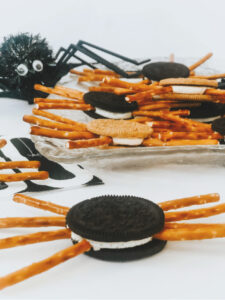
{"x": 127, "y": 141}
{"x": 183, "y": 89}
{"x": 96, "y": 245}
{"x": 112, "y": 115}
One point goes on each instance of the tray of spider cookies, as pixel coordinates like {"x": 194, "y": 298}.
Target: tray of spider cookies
{"x": 168, "y": 111}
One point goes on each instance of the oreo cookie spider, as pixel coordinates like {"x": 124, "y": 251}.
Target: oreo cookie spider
{"x": 109, "y": 105}
{"x": 27, "y": 59}
{"x": 115, "y": 228}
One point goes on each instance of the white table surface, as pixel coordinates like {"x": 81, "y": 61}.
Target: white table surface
{"x": 190, "y": 269}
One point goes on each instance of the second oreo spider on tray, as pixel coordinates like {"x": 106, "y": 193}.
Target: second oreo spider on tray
{"x": 109, "y": 105}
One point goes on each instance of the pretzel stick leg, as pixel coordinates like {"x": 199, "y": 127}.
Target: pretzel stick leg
{"x": 181, "y": 234}
{"x": 184, "y": 202}
{"x": 195, "y": 213}
{"x": 2, "y": 143}
{"x": 19, "y": 164}
{"x": 24, "y": 176}
{"x": 200, "y": 61}
{"x": 33, "y": 238}
{"x": 32, "y": 222}
{"x": 58, "y": 209}
{"x": 187, "y": 226}
{"x": 44, "y": 265}
{"x": 88, "y": 143}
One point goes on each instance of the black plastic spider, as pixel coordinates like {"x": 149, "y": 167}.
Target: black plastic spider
{"x": 27, "y": 59}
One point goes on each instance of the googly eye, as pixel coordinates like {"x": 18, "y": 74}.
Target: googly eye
{"x": 22, "y": 70}
{"x": 37, "y": 65}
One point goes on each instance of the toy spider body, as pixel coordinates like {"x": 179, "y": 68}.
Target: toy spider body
{"x": 123, "y": 228}
{"x": 26, "y": 60}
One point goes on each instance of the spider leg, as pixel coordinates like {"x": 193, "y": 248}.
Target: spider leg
{"x": 44, "y": 265}
{"x": 133, "y": 61}
{"x": 58, "y": 209}
{"x": 32, "y": 222}
{"x": 195, "y": 213}
{"x": 38, "y": 237}
{"x": 204, "y": 231}
{"x": 70, "y": 52}
{"x": 184, "y": 202}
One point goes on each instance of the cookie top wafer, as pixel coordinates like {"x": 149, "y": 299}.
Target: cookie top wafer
{"x": 119, "y": 128}
{"x": 189, "y": 81}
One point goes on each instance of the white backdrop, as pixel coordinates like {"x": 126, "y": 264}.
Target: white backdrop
{"x": 136, "y": 28}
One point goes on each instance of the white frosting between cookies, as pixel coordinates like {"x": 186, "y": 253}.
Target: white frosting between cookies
{"x": 183, "y": 89}
{"x": 127, "y": 141}
{"x": 96, "y": 245}
{"x": 112, "y": 115}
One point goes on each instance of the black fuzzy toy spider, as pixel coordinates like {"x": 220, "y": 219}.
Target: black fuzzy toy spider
{"x": 27, "y": 59}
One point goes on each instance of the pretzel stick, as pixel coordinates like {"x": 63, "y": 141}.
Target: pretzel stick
{"x": 50, "y": 124}
{"x": 44, "y": 265}
{"x": 88, "y": 143}
{"x": 43, "y": 105}
{"x": 60, "y": 91}
{"x": 101, "y": 72}
{"x": 215, "y": 92}
{"x": 33, "y": 238}
{"x": 93, "y": 77}
{"x": 58, "y": 118}
{"x": 200, "y": 61}
{"x": 195, "y": 214}
{"x": 48, "y": 100}
{"x": 58, "y": 209}
{"x": 32, "y": 222}
{"x": 79, "y": 73}
{"x": 215, "y": 76}
{"x": 24, "y": 176}
{"x": 189, "y": 226}
{"x": 2, "y": 143}
{"x": 152, "y": 142}
{"x": 185, "y": 97}
{"x": 19, "y": 164}
{"x": 191, "y": 142}
{"x": 171, "y": 59}
{"x": 189, "y": 201}
{"x": 201, "y": 233}
{"x": 189, "y": 135}
{"x": 141, "y": 119}
{"x": 109, "y": 89}
{"x": 70, "y": 135}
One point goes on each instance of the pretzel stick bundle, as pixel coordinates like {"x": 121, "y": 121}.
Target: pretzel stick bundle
{"x": 58, "y": 209}
{"x": 41, "y": 175}
{"x": 57, "y": 118}
{"x": 44, "y": 265}
{"x": 89, "y": 143}
{"x": 32, "y": 222}
{"x": 200, "y": 61}
{"x": 46, "y": 105}
{"x": 189, "y": 201}
{"x": 60, "y": 91}
{"x": 3, "y": 142}
{"x": 32, "y": 238}
{"x": 50, "y": 124}
{"x": 70, "y": 135}
{"x": 20, "y": 164}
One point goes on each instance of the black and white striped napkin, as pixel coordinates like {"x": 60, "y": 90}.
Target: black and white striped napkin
{"x": 61, "y": 176}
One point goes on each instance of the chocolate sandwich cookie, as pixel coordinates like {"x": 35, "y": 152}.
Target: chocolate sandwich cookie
{"x": 207, "y": 112}
{"x": 219, "y": 126}
{"x": 119, "y": 228}
{"x": 109, "y": 105}
{"x": 161, "y": 70}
